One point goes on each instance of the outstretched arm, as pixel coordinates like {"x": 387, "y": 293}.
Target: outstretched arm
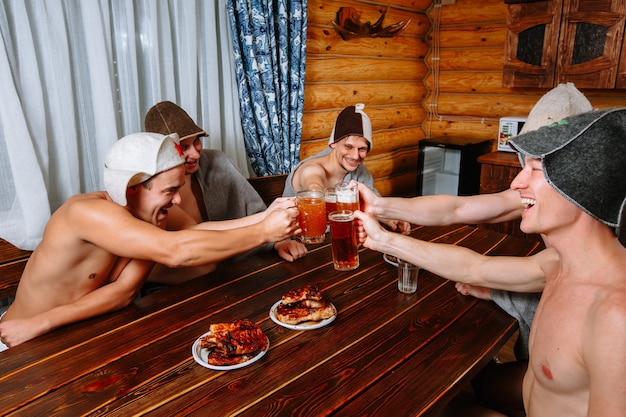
{"x": 114, "y": 229}
{"x": 439, "y": 210}
{"x": 524, "y": 274}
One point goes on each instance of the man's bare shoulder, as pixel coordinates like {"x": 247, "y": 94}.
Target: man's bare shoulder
{"x": 83, "y": 212}
{"x": 311, "y": 171}
{"x": 96, "y": 195}
{"x": 604, "y": 342}
{"x": 99, "y": 198}
{"x": 313, "y": 166}
{"x": 611, "y": 293}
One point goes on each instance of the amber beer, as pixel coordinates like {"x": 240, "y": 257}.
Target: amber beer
{"x": 312, "y": 217}
{"x": 347, "y": 197}
{"x": 331, "y": 200}
{"x": 343, "y": 240}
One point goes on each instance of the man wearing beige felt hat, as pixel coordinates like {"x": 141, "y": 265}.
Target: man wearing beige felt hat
{"x": 98, "y": 248}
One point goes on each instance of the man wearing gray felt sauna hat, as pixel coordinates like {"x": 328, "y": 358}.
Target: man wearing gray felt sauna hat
{"x": 584, "y": 159}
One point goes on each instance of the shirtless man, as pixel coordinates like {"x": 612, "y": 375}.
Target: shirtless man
{"x": 573, "y": 188}
{"x": 349, "y": 144}
{"x": 563, "y": 101}
{"x": 214, "y": 189}
{"x": 97, "y": 248}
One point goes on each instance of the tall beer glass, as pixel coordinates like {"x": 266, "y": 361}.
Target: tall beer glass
{"x": 347, "y": 197}
{"x": 343, "y": 240}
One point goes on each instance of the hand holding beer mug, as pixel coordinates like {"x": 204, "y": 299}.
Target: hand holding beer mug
{"x": 312, "y": 217}
{"x": 343, "y": 240}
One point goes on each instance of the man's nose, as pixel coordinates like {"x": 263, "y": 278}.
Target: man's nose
{"x": 192, "y": 152}
{"x": 521, "y": 179}
{"x": 176, "y": 199}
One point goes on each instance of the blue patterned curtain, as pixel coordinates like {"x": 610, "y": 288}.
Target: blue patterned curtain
{"x": 269, "y": 38}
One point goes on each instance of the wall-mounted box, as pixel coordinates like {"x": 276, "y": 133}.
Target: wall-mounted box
{"x": 509, "y": 127}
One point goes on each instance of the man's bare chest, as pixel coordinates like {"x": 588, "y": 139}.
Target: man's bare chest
{"x": 556, "y": 338}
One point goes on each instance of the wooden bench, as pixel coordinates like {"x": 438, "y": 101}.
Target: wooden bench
{"x": 12, "y": 263}
{"x": 269, "y": 187}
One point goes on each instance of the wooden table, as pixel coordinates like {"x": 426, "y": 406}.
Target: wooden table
{"x": 387, "y": 353}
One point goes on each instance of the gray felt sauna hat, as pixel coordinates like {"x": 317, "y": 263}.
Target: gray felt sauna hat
{"x": 584, "y": 159}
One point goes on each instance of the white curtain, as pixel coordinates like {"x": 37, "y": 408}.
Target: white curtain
{"x": 76, "y": 75}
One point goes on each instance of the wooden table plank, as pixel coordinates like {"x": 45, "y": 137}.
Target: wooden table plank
{"x": 138, "y": 360}
{"x": 384, "y": 349}
{"x": 313, "y": 351}
{"x": 425, "y": 369}
{"x": 152, "y": 335}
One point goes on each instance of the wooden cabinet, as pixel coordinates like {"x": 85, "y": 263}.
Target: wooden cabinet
{"x": 497, "y": 171}
{"x": 556, "y": 41}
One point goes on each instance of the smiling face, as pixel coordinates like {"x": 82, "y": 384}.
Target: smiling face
{"x": 350, "y": 152}
{"x": 545, "y": 209}
{"x": 150, "y": 200}
{"x": 191, "y": 151}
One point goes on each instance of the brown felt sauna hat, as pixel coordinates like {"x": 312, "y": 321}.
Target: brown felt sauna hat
{"x": 166, "y": 118}
{"x": 352, "y": 121}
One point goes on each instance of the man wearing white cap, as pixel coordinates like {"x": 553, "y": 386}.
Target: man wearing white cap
{"x": 349, "y": 143}
{"x": 573, "y": 190}
{"x": 98, "y": 248}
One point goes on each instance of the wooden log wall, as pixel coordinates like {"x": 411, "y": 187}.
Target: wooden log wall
{"x": 441, "y": 77}
{"x": 471, "y": 98}
{"x": 387, "y": 74}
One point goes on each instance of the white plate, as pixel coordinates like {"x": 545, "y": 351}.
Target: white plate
{"x": 390, "y": 259}
{"x": 306, "y": 325}
{"x": 201, "y": 356}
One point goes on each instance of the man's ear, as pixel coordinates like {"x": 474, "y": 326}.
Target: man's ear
{"x": 333, "y": 145}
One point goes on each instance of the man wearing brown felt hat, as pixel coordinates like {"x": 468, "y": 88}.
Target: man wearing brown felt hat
{"x": 348, "y": 145}
{"x": 214, "y": 188}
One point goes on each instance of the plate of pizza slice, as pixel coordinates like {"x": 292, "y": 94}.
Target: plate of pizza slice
{"x": 303, "y": 308}
{"x": 228, "y": 346}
